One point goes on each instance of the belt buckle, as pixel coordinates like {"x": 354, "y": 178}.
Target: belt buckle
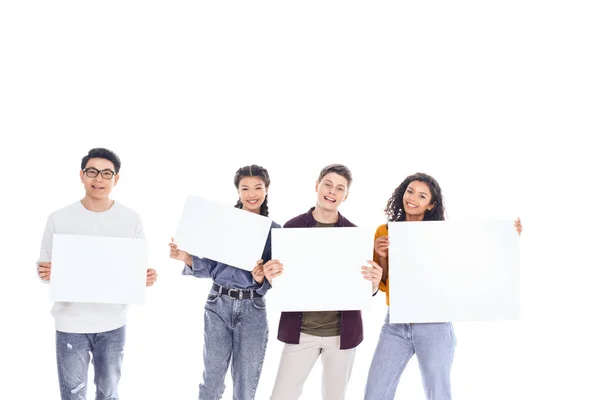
{"x": 239, "y": 296}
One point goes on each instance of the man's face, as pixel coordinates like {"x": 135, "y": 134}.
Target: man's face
{"x": 332, "y": 191}
{"x": 98, "y": 178}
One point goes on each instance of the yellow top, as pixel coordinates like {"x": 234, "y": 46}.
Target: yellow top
{"x": 382, "y": 230}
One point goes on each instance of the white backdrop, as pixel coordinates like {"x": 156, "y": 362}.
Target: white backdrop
{"x": 497, "y": 100}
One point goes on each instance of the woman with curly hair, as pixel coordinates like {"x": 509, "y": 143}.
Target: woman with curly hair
{"x": 418, "y": 198}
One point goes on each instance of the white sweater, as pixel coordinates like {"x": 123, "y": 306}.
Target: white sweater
{"x": 118, "y": 221}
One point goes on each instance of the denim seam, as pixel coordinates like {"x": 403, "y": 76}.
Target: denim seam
{"x": 260, "y": 365}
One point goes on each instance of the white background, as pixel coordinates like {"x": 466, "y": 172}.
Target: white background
{"x": 497, "y": 100}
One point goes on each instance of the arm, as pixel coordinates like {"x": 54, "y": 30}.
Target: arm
{"x": 383, "y": 263}
{"x": 199, "y": 267}
{"x": 259, "y": 272}
{"x": 258, "y": 278}
{"x": 196, "y": 266}
{"x": 44, "y": 264}
{"x": 380, "y": 256}
{"x": 151, "y": 274}
{"x": 139, "y": 231}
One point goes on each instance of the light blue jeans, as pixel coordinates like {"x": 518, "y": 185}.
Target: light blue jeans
{"x": 235, "y": 331}
{"x": 433, "y": 343}
{"x": 73, "y": 358}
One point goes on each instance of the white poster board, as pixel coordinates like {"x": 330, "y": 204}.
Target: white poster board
{"x": 97, "y": 269}
{"x": 453, "y": 271}
{"x": 222, "y": 232}
{"x": 322, "y": 269}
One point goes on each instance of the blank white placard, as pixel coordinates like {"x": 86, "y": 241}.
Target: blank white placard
{"x": 322, "y": 269}
{"x": 97, "y": 269}
{"x": 453, "y": 271}
{"x": 222, "y": 232}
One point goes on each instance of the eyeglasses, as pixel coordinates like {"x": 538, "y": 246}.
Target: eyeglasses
{"x": 92, "y": 172}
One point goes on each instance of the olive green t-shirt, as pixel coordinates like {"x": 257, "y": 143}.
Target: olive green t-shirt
{"x": 321, "y": 323}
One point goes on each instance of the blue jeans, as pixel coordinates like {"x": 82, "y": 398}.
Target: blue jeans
{"x": 73, "y": 358}
{"x": 235, "y": 331}
{"x": 433, "y": 343}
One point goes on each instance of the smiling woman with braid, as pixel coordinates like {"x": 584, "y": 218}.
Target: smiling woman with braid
{"x": 235, "y": 317}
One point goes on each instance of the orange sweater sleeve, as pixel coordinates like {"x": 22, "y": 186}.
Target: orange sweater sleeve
{"x": 381, "y": 231}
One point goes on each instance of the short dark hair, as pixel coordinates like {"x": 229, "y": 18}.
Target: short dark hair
{"x": 338, "y": 169}
{"x": 100, "y": 152}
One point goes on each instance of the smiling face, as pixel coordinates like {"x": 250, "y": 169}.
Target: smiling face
{"x": 417, "y": 200}
{"x": 99, "y": 186}
{"x": 332, "y": 191}
{"x": 252, "y": 192}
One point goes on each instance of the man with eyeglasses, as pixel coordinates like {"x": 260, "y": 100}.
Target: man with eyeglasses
{"x": 91, "y": 328}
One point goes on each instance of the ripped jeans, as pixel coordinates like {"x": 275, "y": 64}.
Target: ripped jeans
{"x": 73, "y": 358}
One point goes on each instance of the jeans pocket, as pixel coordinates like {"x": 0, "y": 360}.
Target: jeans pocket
{"x": 259, "y": 303}
{"x": 212, "y": 297}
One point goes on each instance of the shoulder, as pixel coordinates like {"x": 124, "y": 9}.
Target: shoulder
{"x": 296, "y": 221}
{"x": 66, "y": 211}
{"x": 350, "y": 223}
{"x": 345, "y": 221}
{"x": 123, "y": 211}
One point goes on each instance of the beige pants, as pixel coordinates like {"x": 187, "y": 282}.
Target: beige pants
{"x": 298, "y": 359}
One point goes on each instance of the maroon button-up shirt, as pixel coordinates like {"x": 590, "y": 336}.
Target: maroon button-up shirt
{"x": 351, "y": 328}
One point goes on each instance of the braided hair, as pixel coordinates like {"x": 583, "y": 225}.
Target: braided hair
{"x": 258, "y": 171}
{"x": 394, "y": 210}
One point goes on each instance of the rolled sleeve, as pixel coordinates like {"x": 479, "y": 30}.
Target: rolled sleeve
{"x": 201, "y": 267}
{"x": 264, "y": 288}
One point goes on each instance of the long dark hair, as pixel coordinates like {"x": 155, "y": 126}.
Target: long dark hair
{"x": 253, "y": 170}
{"x": 395, "y": 206}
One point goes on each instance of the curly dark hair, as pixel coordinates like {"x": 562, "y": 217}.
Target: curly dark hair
{"x": 253, "y": 170}
{"x": 394, "y": 210}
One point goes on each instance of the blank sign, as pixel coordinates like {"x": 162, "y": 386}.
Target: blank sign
{"x": 97, "y": 269}
{"x": 322, "y": 269}
{"x": 222, "y": 232}
{"x": 453, "y": 271}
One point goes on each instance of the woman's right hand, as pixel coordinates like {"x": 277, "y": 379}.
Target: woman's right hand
{"x": 180, "y": 255}
{"x": 381, "y": 246}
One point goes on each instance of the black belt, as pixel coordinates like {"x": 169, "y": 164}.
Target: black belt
{"x": 236, "y": 293}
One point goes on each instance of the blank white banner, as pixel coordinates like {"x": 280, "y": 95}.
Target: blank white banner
{"x": 97, "y": 269}
{"x": 222, "y": 232}
{"x": 453, "y": 271}
{"x": 322, "y": 269}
